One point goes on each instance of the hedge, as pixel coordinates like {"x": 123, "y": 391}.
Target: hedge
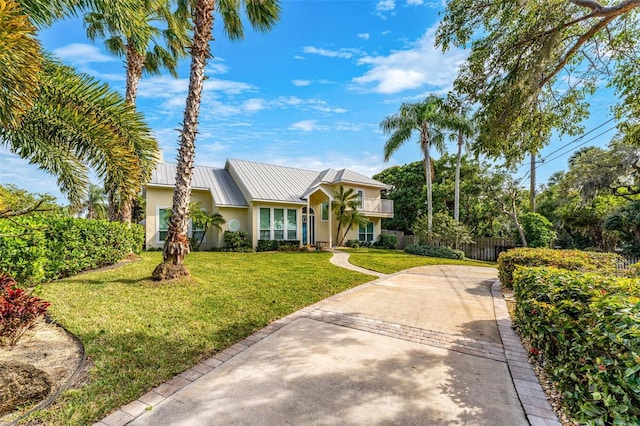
{"x": 41, "y": 248}
{"x": 279, "y": 245}
{"x": 585, "y": 329}
{"x": 565, "y": 259}
{"x": 434, "y": 251}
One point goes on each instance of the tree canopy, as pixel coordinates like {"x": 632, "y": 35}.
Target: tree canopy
{"x": 533, "y": 65}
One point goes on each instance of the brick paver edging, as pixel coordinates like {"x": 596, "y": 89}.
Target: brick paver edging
{"x": 532, "y": 397}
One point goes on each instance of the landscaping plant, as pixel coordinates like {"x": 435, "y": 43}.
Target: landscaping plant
{"x": 584, "y": 329}
{"x": 434, "y": 251}
{"x": 18, "y": 311}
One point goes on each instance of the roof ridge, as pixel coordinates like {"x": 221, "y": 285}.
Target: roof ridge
{"x": 272, "y": 165}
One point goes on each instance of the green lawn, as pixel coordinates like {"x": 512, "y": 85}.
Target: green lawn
{"x": 390, "y": 261}
{"x": 139, "y": 333}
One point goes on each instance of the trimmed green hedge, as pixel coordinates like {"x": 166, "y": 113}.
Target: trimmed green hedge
{"x": 39, "y": 248}
{"x": 433, "y": 251}
{"x": 575, "y": 260}
{"x": 585, "y": 328}
{"x": 279, "y": 245}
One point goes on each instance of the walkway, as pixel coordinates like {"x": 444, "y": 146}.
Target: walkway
{"x": 430, "y": 345}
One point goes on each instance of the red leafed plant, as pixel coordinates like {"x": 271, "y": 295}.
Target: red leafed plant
{"x": 19, "y": 311}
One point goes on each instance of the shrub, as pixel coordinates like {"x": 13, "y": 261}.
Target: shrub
{"x": 39, "y": 248}
{"x": 448, "y": 231}
{"x": 237, "y": 241}
{"x": 279, "y": 245}
{"x": 18, "y": 311}
{"x": 537, "y": 229}
{"x": 566, "y": 259}
{"x": 353, "y": 243}
{"x": 585, "y": 330}
{"x": 433, "y": 251}
{"x": 385, "y": 241}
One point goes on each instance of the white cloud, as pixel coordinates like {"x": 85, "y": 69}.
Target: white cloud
{"x": 306, "y": 126}
{"x": 167, "y": 87}
{"x": 364, "y": 36}
{"x": 82, "y": 54}
{"x": 300, "y": 83}
{"x": 215, "y": 67}
{"x": 385, "y": 5}
{"x": 254, "y": 104}
{"x": 418, "y": 66}
{"x": 341, "y": 53}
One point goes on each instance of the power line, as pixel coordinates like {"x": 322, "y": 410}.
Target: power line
{"x": 577, "y": 139}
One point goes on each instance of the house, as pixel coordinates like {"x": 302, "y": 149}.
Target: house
{"x": 267, "y": 201}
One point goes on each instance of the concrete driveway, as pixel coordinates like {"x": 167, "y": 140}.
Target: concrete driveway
{"x": 421, "y": 347}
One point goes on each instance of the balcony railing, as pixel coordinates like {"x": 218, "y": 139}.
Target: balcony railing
{"x": 377, "y": 205}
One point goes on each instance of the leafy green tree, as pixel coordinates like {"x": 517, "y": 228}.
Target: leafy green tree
{"x": 17, "y": 202}
{"x": 430, "y": 119}
{"x": 538, "y": 230}
{"x": 626, "y": 221}
{"x": 262, "y": 15}
{"x": 449, "y": 231}
{"x": 344, "y": 201}
{"x": 407, "y": 193}
{"x": 532, "y": 64}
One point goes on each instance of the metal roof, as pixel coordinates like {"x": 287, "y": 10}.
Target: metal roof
{"x": 223, "y": 188}
{"x": 269, "y": 182}
{"x": 260, "y": 181}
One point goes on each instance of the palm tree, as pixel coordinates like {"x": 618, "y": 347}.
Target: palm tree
{"x": 200, "y": 219}
{"x": 262, "y": 15}
{"x": 353, "y": 218}
{"x": 136, "y": 35}
{"x": 77, "y": 122}
{"x": 343, "y": 201}
{"x": 94, "y": 204}
{"x": 463, "y": 130}
{"x": 429, "y": 119}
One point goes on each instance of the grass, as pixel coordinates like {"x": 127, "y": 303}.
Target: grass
{"x": 391, "y": 261}
{"x": 139, "y": 333}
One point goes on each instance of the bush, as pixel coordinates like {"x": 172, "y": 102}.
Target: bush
{"x": 433, "y": 251}
{"x": 537, "y": 229}
{"x": 385, "y": 241}
{"x": 566, "y": 259}
{"x": 278, "y": 245}
{"x": 585, "y": 330}
{"x": 18, "y": 311}
{"x": 39, "y": 248}
{"x": 353, "y": 243}
{"x": 237, "y": 241}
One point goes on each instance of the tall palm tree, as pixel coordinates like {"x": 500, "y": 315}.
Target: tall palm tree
{"x": 262, "y": 15}
{"x": 429, "y": 119}
{"x": 463, "y": 130}
{"x": 343, "y": 202}
{"x": 151, "y": 37}
{"x": 353, "y": 218}
{"x": 94, "y": 205}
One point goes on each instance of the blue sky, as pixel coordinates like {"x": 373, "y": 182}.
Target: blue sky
{"x": 310, "y": 94}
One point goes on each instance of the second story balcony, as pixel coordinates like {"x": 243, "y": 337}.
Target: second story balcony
{"x": 377, "y": 207}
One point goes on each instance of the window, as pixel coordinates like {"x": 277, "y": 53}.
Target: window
{"x": 366, "y": 234}
{"x": 325, "y": 211}
{"x": 164, "y": 216}
{"x": 360, "y": 193}
{"x": 292, "y": 224}
{"x": 278, "y": 224}
{"x": 163, "y": 223}
{"x": 265, "y": 224}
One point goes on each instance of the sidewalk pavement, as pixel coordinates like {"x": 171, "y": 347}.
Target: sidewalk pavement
{"x": 431, "y": 345}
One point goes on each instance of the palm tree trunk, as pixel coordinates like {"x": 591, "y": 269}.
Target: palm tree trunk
{"x": 456, "y": 200}
{"x": 176, "y": 245}
{"x": 135, "y": 63}
{"x": 427, "y": 174}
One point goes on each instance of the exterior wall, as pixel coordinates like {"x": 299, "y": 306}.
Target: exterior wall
{"x": 254, "y": 219}
{"x": 242, "y": 215}
{"x": 323, "y": 233}
{"x": 163, "y": 198}
{"x": 377, "y": 230}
